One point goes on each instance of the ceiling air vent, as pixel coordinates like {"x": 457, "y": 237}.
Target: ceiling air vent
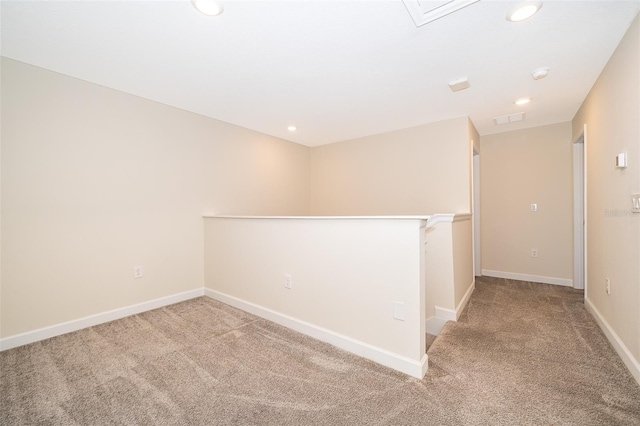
{"x": 506, "y": 119}
{"x": 425, "y": 11}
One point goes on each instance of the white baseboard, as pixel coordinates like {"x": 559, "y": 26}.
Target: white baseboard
{"x": 397, "y": 362}
{"x": 434, "y": 324}
{"x": 75, "y": 325}
{"x": 627, "y": 358}
{"x": 533, "y": 278}
{"x": 465, "y": 299}
{"x": 446, "y": 314}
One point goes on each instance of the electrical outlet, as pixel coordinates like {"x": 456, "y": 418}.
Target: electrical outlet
{"x": 607, "y": 285}
{"x": 287, "y": 281}
{"x": 138, "y": 272}
{"x": 635, "y": 203}
{"x": 534, "y": 207}
{"x": 534, "y": 252}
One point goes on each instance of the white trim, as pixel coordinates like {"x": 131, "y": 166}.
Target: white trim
{"x": 432, "y": 219}
{"x": 417, "y": 217}
{"x": 584, "y": 210}
{"x": 446, "y": 314}
{"x": 424, "y": 365}
{"x": 580, "y": 210}
{"x": 578, "y": 215}
{"x": 525, "y": 277}
{"x": 397, "y": 362}
{"x": 75, "y": 325}
{"x": 625, "y": 354}
{"x": 460, "y": 217}
{"x": 465, "y": 299}
{"x": 447, "y": 218}
{"x": 476, "y": 211}
{"x": 433, "y": 325}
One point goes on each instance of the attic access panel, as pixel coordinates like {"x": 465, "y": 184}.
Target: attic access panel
{"x": 424, "y": 11}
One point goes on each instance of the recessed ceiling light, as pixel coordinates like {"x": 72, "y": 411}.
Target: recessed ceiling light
{"x": 524, "y": 11}
{"x": 292, "y": 128}
{"x": 522, "y": 101}
{"x": 540, "y": 73}
{"x": 208, "y": 7}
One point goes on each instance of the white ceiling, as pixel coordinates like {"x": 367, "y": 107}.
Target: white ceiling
{"x": 335, "y": 69}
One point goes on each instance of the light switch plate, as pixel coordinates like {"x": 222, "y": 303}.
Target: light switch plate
{"x": 399, "y": 311}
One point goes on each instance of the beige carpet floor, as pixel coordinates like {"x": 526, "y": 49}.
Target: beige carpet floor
{"x": 522, "y": 353}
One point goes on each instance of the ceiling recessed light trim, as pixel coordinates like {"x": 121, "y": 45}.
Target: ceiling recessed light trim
{"x": 524, "y": 11}
{"x": 522, "y": 101}
{"x": 540, "y": 73}
{"x": 208, "y": 7}
{"x": 292, "y": 128}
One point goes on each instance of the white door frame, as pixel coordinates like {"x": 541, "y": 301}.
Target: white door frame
{"x": 580, "y": 211}
{"x": 475, "y": 210}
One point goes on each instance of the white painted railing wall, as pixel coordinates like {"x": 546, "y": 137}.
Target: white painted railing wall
{"x": 347, "y": 276}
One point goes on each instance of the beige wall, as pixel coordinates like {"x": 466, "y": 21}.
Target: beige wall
{"x": 95, "y": 181}
{"x": 420, "y": 170}
{"x": 520, "y": 168}
{"x": 612, "y": 115}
